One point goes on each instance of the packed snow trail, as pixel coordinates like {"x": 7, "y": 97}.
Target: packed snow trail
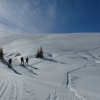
{"x": 74, "y": 91}
{"x": 68, "y": 82}
{"x": 13, "y": 87}
{"x": 89, "y": 60}
{"x": 10, "y": 88}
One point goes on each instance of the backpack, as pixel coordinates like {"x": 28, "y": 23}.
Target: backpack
{"x": 21, "y": 58}
{"x": 27, "y": 59}
{"x": 10, "y": 60}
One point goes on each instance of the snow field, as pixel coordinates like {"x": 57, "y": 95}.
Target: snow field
{"x": 70, "y": 68}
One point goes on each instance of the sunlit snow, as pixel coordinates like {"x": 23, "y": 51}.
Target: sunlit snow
{"x": 70, "y": 69}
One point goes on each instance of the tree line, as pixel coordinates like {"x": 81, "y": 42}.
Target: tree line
{"x": 39, "y": 53}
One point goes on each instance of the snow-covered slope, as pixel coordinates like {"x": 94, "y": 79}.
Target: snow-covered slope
{"x": 69, "y": 70}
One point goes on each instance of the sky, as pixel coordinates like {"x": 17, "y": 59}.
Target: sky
{"x": 49, "y": 16}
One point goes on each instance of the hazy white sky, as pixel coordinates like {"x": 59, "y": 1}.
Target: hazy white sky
{"x": 49, "y": 16}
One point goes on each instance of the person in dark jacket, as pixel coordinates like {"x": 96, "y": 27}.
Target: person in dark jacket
{"x": 27, "y": 59}
{"x": 22, "y": 61}
{"x": 10, "y": 63}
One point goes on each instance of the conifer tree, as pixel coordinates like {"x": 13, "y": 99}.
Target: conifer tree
{"x": 37, "y": 54}
{"x": 1, "y": 53}
{"x": 41, "y": 52}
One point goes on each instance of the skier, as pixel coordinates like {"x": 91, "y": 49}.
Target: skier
{"x": 10, "y": 63}
{"x": 22, "y": 61}
{"x": 27, "y": 59}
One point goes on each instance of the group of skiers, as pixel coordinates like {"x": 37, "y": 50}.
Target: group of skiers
{"x": 22, "y": 62}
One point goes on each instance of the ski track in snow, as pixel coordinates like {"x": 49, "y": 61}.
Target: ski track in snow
{"x": 53, "y": 95}
{"x": 74, "y": 91}
{"x": 68, "y": 82}
{"x": 10, "y": 88}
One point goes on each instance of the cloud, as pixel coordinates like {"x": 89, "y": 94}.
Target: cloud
{"x": 27, "y": 16}
{"x": 48, "y": 16}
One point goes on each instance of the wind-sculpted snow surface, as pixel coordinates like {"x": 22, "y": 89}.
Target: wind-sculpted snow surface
{"x": 70, "y": 69}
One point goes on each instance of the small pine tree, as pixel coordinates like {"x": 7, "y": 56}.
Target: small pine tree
{"x": 37, "y": 54}
{"x": 41, "y": 52}
{"x": 1, "y": 53}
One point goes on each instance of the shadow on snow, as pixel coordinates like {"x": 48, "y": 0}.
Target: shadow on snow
{"x": 15, "y": 71}
{"x": 53, "y": 60}
{"x": 33, "y": 67}
{"x": 30, "y": 70}
{"x": 4, "y": 62}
